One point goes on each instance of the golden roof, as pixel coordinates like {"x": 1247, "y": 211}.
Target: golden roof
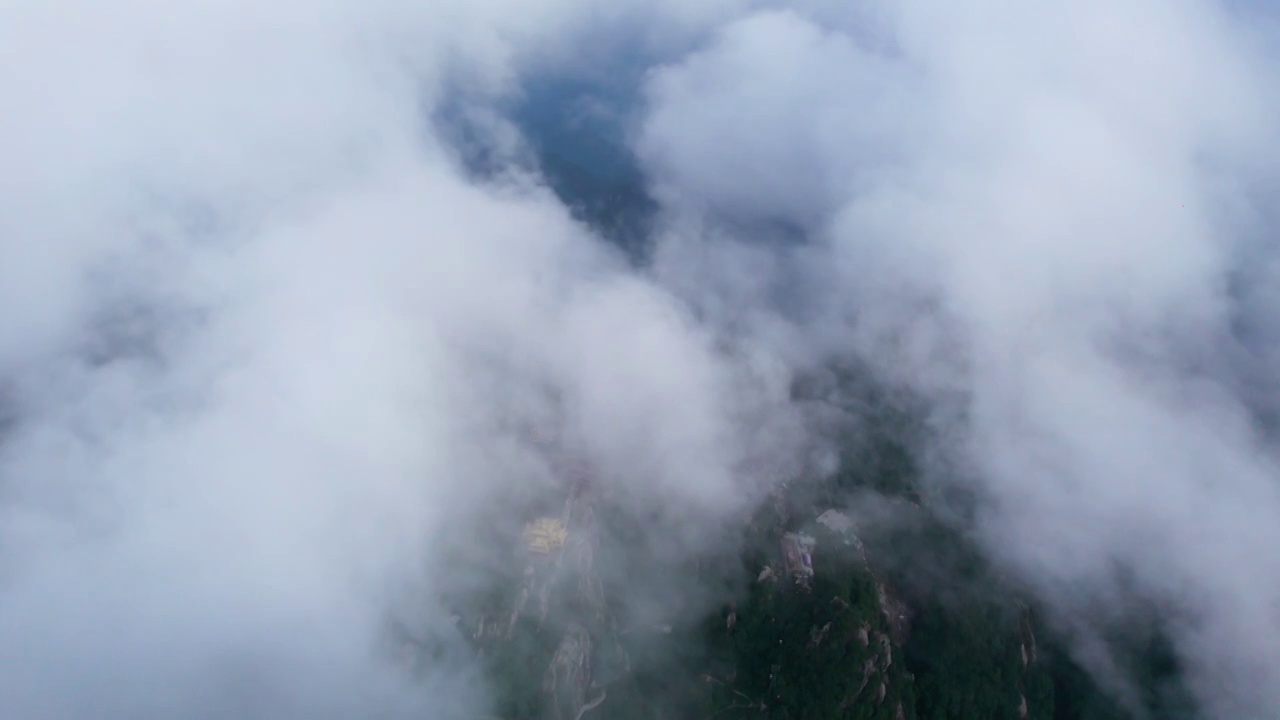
{"x": 545, "y": 534}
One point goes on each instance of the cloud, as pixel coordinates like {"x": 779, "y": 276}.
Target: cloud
{"x": 270, "y": 348}
{"x": 274, "y": 355}
{"x": 1041, "y": 219}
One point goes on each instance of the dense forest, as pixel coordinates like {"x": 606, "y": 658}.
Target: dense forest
{"x": 821, "y": 619}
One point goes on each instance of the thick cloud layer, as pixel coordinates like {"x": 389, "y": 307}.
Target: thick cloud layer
{"x": 1053, "y": 215}
{"x": 267, "y": 347}
{"x": 270, "y": 352}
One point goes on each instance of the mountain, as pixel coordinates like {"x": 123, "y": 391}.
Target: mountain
{"x": 816, "y": 616}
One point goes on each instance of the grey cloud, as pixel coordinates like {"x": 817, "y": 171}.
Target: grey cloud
{"x": 1037, "y": 212}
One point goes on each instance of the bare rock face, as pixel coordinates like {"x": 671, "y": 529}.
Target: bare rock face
{"x": 896, "y": 612}
{"x": 1028, "y": 637}
{"x": 583, "y": 592}
{"x": 886, "y": 653}
{"x": 818, "y": 635}
{"x": 565, "y": 686}
{"x": 577, "y": 596}
{"x": 797, "y": 558}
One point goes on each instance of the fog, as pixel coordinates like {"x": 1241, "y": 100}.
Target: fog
{"x": 273, "y": 353}
{"x": 1044, "y": 219}
{"x": 267, "y": 344}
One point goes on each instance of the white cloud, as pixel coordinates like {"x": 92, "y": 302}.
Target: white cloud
{"x": 267, "y": 347}
{"x": 1041, "y": 211}
{"x": 266, "y": 344}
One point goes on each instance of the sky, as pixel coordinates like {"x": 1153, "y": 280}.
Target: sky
{"x": 272, "y": 352}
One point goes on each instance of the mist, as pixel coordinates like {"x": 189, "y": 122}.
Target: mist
{"x": 278, "y": 364}
{"x": 268, "y": 348}
{"x": 1044, "y": 220}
